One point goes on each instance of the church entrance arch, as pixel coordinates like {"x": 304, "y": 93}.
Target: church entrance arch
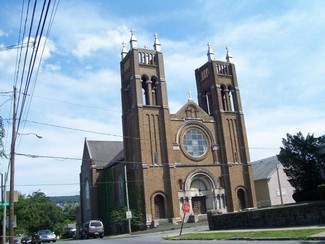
{"x": 203, "y": 193}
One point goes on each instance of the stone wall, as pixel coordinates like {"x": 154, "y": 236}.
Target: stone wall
{"x": 303, "y": 214}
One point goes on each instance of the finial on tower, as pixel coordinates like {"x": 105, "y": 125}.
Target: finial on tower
{"x": 228, "y": 56}
{"x": 210, "y": 53}
{"x": 190, "y": 96}
{"x": 133, "y": 40}
{"x": 156, "y": 44}
{"x": 124, "y": 51}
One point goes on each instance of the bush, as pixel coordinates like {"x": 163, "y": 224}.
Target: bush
{"x": 321, "y": 191}
{"x": 305, "y": 196}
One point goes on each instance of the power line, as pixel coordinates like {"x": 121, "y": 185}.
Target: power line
{"x": 75, "y": 129}
{"x": 46, "y": 156}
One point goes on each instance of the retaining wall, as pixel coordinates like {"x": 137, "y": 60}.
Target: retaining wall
{"x": 302, "y": 214}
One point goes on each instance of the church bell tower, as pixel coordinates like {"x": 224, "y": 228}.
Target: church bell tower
{"x": 145, "y": 119}
{"x": 218, "y": 96}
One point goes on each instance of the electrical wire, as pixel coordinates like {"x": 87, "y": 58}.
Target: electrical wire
{"x": 25, "y": 61}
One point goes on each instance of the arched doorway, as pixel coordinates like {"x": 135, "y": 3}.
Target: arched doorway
{"x": 199, "y": 200}
{"x": 159, "y": 207}
{"x": 241, "y": 198}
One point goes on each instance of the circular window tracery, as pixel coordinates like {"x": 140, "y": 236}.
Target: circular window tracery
{"x": 195, "y": 142}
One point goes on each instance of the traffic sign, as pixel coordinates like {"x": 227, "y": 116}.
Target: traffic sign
{"x": 128, "y": 214}
{"x": 186, "y": 207}
{"x": 4, "y": 203}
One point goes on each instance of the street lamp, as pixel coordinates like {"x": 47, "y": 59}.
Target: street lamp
{"x": 12, "y": 178}
{"x": 30, "y": 133}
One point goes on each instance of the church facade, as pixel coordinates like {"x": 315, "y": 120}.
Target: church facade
{"x": 197, "y": 156}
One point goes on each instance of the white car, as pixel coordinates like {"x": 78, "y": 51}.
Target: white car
{"x": 43, "y": 236}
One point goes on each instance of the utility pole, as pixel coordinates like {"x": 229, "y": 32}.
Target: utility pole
{"x": 279, "y": 183}
{"x": 4, "y": 206}
{"x": 12, "y": 172}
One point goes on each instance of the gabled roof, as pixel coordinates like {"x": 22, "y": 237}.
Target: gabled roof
{"x": 104, "y": 152}
{"x": 196, "y": 112}
{"x": 264, "y": 168}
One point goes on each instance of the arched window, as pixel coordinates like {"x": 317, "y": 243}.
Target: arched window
{"x": 180, "y": 184}
{"x": 223, "y": 97}
{"x": 121, "y": 190}
{"x": 140, "y": 57}
{"x": 154, "y": 91}
{"x": 231, "y": 98}
{"x": 145, "y": 95}
{"x": 87, "y": 194}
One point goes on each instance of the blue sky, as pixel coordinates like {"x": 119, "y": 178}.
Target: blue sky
{"x": 277, "y": 47}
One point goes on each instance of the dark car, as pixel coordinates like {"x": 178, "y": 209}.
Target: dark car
{"x": 92, "y": 228}
{"x": 16, "y": 240}
{"x": 43, "y": 236}
{"x": 26, "y": 240}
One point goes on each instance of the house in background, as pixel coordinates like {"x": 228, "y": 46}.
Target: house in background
{"x": 269, "y": 178}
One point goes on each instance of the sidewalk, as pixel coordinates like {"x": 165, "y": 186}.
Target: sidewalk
{"x": 203, "y": 226}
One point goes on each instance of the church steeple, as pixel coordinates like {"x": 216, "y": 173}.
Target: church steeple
{"x": 133, "y": 40}
{"x": 124, "y": 51}
{"x": 210, "y": 53}
{"x": 157, "y": 45}
{"x": 219, "y": 96}
{"x": 228, "y": 55}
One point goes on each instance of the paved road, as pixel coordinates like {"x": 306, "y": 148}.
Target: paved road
{"x": 157, "y": 237}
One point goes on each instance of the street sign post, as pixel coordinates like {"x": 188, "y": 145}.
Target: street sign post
{"x": 186, "y": 209}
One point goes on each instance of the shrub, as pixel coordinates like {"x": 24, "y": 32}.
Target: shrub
{"x": 321, "y": 191}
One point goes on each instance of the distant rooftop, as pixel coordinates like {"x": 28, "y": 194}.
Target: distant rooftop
{"x": 264, "y": 168}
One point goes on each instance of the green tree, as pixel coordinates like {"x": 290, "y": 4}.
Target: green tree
{"x": 301, "y": 160}
{"x": 36, "y": 212}
{"x": 69, "y": 212}
{"x": 119, "y": 216}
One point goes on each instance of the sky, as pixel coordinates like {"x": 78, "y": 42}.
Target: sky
{"x": 277, "y": 46}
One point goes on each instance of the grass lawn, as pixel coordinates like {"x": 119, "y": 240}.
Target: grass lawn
{"x": 300, "y": 234}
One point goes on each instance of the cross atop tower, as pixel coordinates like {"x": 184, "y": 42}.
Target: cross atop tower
{"x": 133, "y": 40}
{"x": 124, "y": 51}
{"x": 156, "y": 44}
{"x": 190, "y": 96}
{"x": 228, "y": 55}
{"x": 210, "y": 53}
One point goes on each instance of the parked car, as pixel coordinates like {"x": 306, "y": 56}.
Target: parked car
{"x": 16, "y": 240}
{"x": 43, "y": 236}
{"x": 26, "y": 240}
{"x": 92, "y": 228}
{"x": 69, "y": 231}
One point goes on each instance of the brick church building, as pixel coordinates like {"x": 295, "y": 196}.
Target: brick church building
{"x": 198, "y": 155}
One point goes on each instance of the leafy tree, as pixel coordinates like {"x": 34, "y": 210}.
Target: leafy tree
{"x": 36, "y": 212}
{"x": 301, "y": 160}
{"x": 119, "y": 215}
{"x": 69, "y": 212}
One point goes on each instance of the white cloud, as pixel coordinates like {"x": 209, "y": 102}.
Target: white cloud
{"x": 91, "y": 43}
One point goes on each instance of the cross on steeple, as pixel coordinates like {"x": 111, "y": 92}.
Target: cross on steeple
{"x": 133, "y": 40}
{"x": 190, "y": 96}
